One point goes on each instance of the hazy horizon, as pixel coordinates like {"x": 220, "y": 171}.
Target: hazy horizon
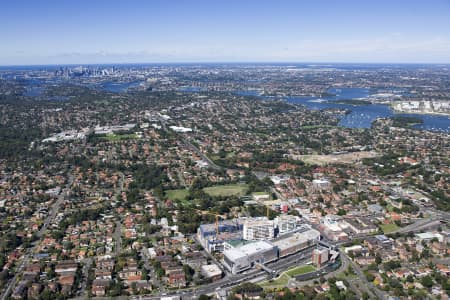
{"x": 309, "y": 63}
{"x": 51, "y": 32}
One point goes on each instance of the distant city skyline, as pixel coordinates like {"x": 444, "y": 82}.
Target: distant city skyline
{"x": 100, "y": 32}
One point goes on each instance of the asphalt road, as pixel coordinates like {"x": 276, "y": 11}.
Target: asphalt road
{"x": 230, "y": 281}
{"x": 82, "y": 291}
{"x": 118, "y": 238}
{"x": 190, "y": 146}
{"x": 369, "y": 287}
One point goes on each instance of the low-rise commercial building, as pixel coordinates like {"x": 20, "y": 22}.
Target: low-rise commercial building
{"x": 211, "y": 272}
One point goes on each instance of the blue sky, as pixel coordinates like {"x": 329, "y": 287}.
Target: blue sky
{"x": 100, "y": 31}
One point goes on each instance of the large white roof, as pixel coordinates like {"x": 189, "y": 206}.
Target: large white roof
{"x": 247, "y": 250}
{"x": 296, "y": 238}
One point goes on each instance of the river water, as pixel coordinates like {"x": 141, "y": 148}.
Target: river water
{"x": 362, "y": 116}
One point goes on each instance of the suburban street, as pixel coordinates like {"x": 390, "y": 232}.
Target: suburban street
{"x": 229, "y": 281}
{"x": 55, "y": 208}
{"x": 225, "y": 149}
{"x": 368, "y": 287}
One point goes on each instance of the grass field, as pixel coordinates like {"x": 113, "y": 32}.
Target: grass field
{"x": 346, "y": 158}
{"x": 388, "y": 228}
{"x": 283, "y": 279}
{"x": 119, "y": 137}
{"x": 300, "y": 270}
{"x": 389, "y": 207}
{"x": 280, "y": 282}
{"x": 217, "y": 157}
{"x": 180, "y": 194}
{"x": 227, "y": 190}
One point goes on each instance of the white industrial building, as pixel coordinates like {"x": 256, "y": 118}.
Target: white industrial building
{"x": 321, "y": 184}
{"x": 293, "y": 243}
{"x": 245, "y": 257}
{"x": 240, "y": 255}
{"x": 261, "y": 196}
{"x": 180, "y": 129}
{"x": 68, "y": 135}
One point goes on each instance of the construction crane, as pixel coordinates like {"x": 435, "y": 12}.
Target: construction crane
{"x": 212, "y": 214}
